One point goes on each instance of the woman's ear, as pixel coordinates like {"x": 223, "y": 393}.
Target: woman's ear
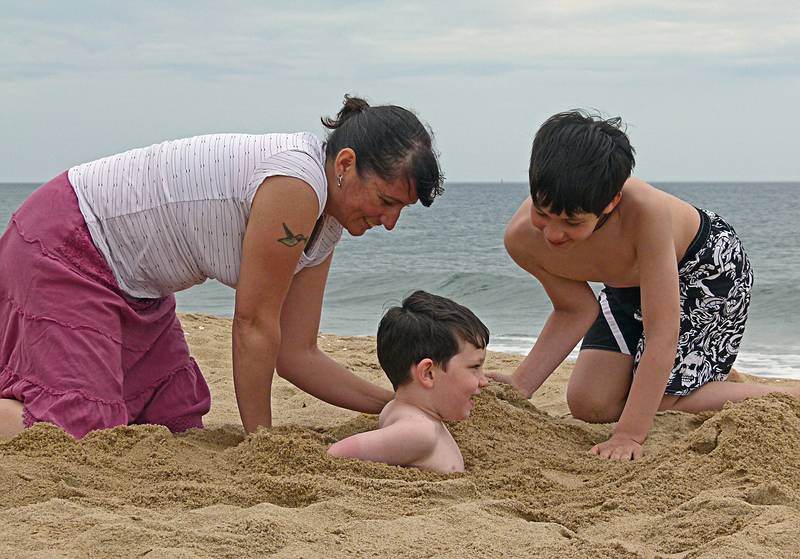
{"x": 345, "y": 159}
{"x": 423, "y": 372}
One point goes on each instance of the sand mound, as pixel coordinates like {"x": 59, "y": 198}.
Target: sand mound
{"x": 718, "y": 485}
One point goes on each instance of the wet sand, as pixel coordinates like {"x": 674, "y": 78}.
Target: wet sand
{"x": 722, "y": 485}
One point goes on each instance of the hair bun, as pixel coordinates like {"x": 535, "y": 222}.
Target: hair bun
{"x": 352, "y": 107}
{"x": 354, "y": 104}
{"x": 389, "y": 142}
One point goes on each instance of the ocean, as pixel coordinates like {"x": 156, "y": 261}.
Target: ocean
{"x": 455, "y": 249}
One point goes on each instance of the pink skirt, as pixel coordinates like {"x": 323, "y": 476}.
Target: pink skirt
{"x": 74, "y": 349}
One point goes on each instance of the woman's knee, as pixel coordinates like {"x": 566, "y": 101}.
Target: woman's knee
{"x": 291, "y": 360}
{"x": 11, "y": 422}
{"x": 284, "y": 366}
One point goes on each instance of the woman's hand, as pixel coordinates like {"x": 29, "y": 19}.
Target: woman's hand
{"x": 619, "y": 447}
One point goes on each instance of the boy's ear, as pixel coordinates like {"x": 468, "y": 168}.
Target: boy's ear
{"x": 423, "y": 372}
{"x": 613, "y": 203}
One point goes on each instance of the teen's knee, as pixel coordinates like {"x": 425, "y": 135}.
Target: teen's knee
{"x": 669, "y": 402}
{"x": 593, "y": 410}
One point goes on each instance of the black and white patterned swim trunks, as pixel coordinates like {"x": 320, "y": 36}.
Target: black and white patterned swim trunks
{"x": 715, "y": 279}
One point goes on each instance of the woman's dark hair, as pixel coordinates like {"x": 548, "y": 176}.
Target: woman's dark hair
{"x": 388, "y": 141}
{"x": 579, "y": 162}
{"x": 425, "y": 326}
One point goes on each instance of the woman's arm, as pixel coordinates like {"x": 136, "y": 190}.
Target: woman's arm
{"x": 282, "y": 217}
{"x": 303, "y": 364}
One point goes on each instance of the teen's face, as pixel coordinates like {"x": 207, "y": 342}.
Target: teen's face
{"x": 456, "y": 387}
{"x": 560, "y": 231}
{"x": 370, "y": 201}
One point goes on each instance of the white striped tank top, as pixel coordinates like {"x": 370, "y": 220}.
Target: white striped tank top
{"x": 172, "y": 215}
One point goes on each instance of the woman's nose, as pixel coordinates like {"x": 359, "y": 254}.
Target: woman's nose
{"x": 389, "y": 219}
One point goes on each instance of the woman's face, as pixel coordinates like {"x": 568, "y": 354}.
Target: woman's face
{"x": 364, "y": 202}
{"x": 374, "y": 202}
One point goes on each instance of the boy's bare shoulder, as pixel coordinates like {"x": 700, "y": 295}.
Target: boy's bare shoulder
{"x": 646, "y": 207}
{"x": 410, "y": 426}
{"x": 396, "y": 413}
{"x": 642, "y": 199}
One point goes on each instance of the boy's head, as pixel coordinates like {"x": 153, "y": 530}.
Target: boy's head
{"x": 579, "y": 163}
{"x": 425, "y": 326}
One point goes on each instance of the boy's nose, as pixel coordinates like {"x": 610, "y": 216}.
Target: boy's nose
{"x": 554, "y": 234}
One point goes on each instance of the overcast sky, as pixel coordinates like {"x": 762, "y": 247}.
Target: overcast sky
{"x": 710, "y": 90}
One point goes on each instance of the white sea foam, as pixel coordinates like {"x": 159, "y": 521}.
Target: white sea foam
{"x": 783, "y": 365}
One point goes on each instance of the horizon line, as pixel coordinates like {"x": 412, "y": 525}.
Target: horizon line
{"x": 504, "y": 181}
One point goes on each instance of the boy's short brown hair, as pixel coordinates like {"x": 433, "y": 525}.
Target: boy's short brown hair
{"x": 425, "y": 326}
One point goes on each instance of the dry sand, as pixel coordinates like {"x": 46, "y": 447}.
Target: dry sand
{"x": 720, "y": 485}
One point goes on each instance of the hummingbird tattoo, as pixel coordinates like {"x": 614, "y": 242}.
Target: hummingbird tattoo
{"x": 291, "y": 239}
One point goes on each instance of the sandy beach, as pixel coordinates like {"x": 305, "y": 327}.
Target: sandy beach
{"x": 720, "y": 485}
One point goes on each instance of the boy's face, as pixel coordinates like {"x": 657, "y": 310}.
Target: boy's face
{"x": 561, "y": 230}
{"x": 455, "y": 388}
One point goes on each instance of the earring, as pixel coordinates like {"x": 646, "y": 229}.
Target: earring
{"x": 339, "y": 181}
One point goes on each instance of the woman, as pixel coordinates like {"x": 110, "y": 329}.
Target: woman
{"x": 89, "y": 338}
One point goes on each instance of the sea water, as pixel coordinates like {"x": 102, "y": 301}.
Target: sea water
{"x": 455, "y": 249}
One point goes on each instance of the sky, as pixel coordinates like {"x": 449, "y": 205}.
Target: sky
{"x": 709, "y": 90}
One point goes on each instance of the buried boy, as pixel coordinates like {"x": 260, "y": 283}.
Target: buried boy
{"x": 666, "y": 327}
{"x": 433, "y": 350}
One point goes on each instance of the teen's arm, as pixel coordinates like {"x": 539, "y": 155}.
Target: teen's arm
{"x": 282, "y": 216}
{"x": 303, "y": 364}
{"x": 658, "y": 278}
{"x": 402, "y": 443}
{"x": 574, "y": 310}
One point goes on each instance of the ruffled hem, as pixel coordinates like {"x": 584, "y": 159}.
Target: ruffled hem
{"x": 181, "y": 424}
{"x": 42, "y": 404}
{"x": 78, "y": 414}
{"x": 178, "y": 402}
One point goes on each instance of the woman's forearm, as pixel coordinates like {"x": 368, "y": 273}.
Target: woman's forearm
{"x": 254, "y": 355}
{"x": 312, "y": 371}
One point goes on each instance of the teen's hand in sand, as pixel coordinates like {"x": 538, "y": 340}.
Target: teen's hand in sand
{"x": 618, "y": 448}
{"x": 505, "y": 378}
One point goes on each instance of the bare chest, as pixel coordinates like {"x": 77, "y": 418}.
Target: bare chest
{"x": 596, "y": 260}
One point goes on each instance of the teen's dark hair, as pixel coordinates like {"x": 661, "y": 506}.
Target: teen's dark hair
{"x": 425, "y": 326}
{"x": 388, "y": 141}
{"x": 579, "y": 162}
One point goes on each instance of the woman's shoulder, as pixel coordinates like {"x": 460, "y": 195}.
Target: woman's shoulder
{"x": 302, "y": 141}
{"x": 264, "y": 144}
